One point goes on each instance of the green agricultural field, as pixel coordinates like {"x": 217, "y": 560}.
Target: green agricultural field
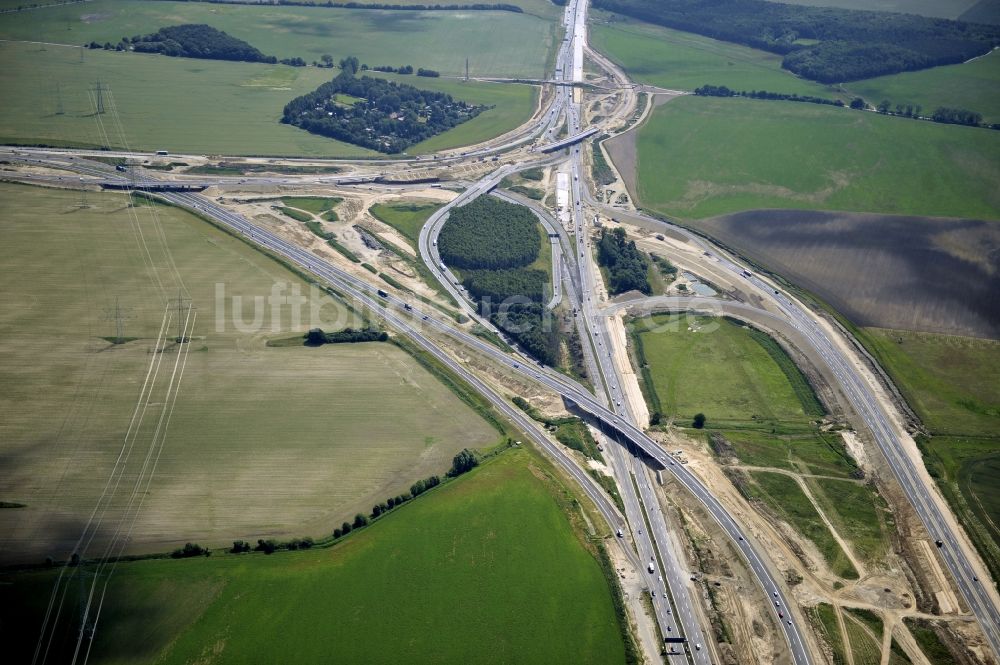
{"x": 820, "y": 453}
{"x": 262, "y": 441}
{"x": 937, "y": 8}
{"x": 407, "y": 217}
{"x": 858, "y": 513}
{"x": 486, "y": 568}
{"x": 953, "y": 383}
{"x": 245, "y": 100}
{"x": 700, "y": 364}
{"x": 496, "y": 43}
{"x": 784, "y": 496}
{"x": 512, "y": 105}
{"x": 544, "y": 8}
{"x": 699, "y": 157}
{"x": 681, "y": 60}
{"x": 973, "y": 85}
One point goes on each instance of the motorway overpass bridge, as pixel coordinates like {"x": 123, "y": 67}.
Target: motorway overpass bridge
{"x": 155, "y": 186}
{"x": 569, "y": 140}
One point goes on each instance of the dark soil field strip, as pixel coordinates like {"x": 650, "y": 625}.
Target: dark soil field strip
{"x": 924, "y": 274}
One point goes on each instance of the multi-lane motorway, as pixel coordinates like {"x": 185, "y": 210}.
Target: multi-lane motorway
{"x": 610, "y": 406}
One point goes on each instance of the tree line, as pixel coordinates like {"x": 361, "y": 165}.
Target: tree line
{"x": 952, "y": 116}
{"x": 405, "y": 70}
{"x": 627, "y": 267}
{"x": 461, "y": 463}
{"x": 317, "y": 337}
{"x": 957, "y": 117}
{"x": 389, "y": 116}
{"x": 190, "y": 550}
{"x": 850, "y": 44}
{"x": 723, "y": 91}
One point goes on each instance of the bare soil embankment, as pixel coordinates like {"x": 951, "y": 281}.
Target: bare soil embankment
{"x": 924, "y": 274}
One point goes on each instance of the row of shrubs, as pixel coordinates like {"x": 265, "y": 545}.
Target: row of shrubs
{"x": 461, "y": 463}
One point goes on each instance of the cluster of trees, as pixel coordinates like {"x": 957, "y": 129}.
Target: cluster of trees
{"x": 345, "y": 528}
{"x": 723, "y": 91}
{"x": 497, "y": 7}
{"x": 496, "y": 286}
{"x": 885, "y": 108}
{"x": 957, "y": 117}
{"x": 421, "y": 486}
{"x": 530, "y": 326}
{"x": 850, "y": 44}
{"x": 403, "y": 69}
{"x": 627, "y": 266}
{"x": 493, "y": 241}
{"x": 463, "y": 462}
{"x": 270, "y": 545}
{"x": 123, "y": 45}
{"x": 189, "y": 550}
{"x": 390, "y": 503}
{"x": 389, "y": 118}
{"x": 197, "y": 40}
{"x": 293, "y": 62}
{"x": 663, "y": 264}
{"x": 949, "y": 116}
{"x": 490, "y": 234}
{"x": 316, "y": 336}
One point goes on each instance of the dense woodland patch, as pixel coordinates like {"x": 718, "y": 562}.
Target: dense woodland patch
{"x": 851, "y": 44}
{"x": 489, "y": 234}
{"x": 375, "y": 113}
{"x": 627, "y": 266}
{"x": 198, "y": 41}
{"x": 493, "y": 242}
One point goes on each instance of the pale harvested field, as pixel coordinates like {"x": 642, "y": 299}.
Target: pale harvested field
{"x": 261, "y": 442}
{"x": 923, "y": 274}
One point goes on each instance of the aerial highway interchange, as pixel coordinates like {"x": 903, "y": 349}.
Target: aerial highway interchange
{"x": 633, "y": 452}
